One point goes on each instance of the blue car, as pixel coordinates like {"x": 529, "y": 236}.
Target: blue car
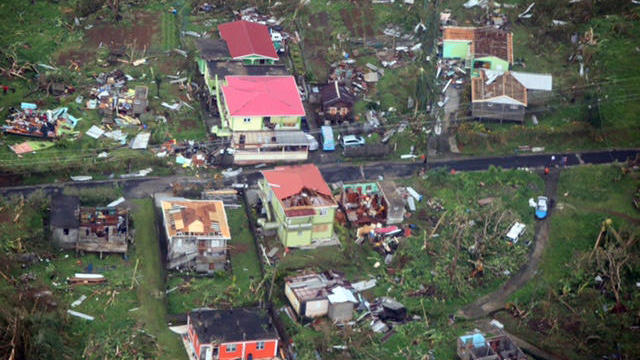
{"x": 542, "y": 207}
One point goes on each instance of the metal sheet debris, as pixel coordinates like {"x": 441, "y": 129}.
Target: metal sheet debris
{"x": 141, "y": 141}
{"x": 80, "y": 315}
{"x": 79, "y": 301}
{"x": 81, "y": 178}
{"x": 116, "y": 202}
{"x": 95, "y": 132}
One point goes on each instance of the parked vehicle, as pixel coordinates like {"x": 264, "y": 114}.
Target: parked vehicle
{"x": 516, "y": 230}
{"x": 352, "y": 140}
{"x": 542, "y": 207}
{"x": 328, "y": 144}
{"x": 313, "y": 143}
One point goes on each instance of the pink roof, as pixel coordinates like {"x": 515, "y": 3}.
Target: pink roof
{"x": 290, "y": 180}
{"x": 262, "y": 96}
{"x": 246, "y": 38}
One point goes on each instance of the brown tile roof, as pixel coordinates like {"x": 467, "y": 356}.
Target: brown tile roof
{"x": 503, "y": 85}
{"x": 486, "y": 41}
{"x": 195, "y": 216}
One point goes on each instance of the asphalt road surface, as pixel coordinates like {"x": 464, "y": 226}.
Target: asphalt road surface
{"x": 140, "y": 187}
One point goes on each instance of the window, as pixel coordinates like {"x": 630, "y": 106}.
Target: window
{"x": 323, "y": 211}
{"x": 514, "y": 107}
{"x": 333, "y": 110}
{"x": 247, "y": 120}
{"x": 260, "y": 345}
{"x": 344, "y": 111}
{"x": 299, "y": 232}
{"x": 65, "y": 231}
{"x": 230, "y": 348}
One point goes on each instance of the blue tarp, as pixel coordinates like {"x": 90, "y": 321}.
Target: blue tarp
{"x": 476, "y": 339}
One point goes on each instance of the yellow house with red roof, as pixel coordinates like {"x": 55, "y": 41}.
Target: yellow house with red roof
{"x": 299, "y": 203}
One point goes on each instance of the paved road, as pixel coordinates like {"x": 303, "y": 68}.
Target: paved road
{"x": 335, "y": 172}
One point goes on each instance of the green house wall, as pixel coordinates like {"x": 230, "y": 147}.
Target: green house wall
{"x": 300, "y": 230}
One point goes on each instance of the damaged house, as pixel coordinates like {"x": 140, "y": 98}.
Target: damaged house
{"x": 372, "y": 203}
{"x": 231, "y": 334}
{"x": 88, "y": 229}
{"x": 480, "y": 48}
{"x": 299, "y": 204}
{"x": 477, "y": 347}
{"x": 197, "y": 234}
{"x": 337, "y": 103}
{"x": 504, "y": 96}
{"x": 316, "y": 295}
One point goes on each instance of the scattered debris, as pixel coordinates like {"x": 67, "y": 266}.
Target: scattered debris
{"x": 80, "y": 315}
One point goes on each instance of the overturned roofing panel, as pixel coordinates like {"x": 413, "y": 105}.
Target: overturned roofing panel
{"x": 542, "y": 82}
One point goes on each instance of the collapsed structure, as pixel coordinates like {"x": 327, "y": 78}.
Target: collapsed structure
{"x": 476, "y": 347}
{"x": 231, "y": 334}
{"x": 89, "y": 229}
{"x": 42, "y": 124}
{"x": 315, "y": 295}
{"x": 299, "y": 204}
{"x": 196, "y": 233}
{"x": 372, "y": 203}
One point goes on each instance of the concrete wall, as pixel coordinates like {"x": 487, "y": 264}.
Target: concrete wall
{"x": 65, "y": 241}
{"x": 341, "y": 311}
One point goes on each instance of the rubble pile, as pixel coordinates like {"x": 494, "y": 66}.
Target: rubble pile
{"x": 45, "y": 124}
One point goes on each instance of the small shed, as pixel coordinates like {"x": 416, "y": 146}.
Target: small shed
{"x": 64, "y": 221}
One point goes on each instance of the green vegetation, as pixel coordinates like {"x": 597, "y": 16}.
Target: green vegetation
{"x": 433, "y": 276}
{"x": 564, "y": 305}
{"x": 234, "y": 289}
{"x": 169, "y": 31}
{"x": 150, "y": 288}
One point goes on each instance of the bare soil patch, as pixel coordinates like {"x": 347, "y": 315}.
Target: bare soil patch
{"x": 144, "y": 26}
{"x": 236, "y": 249}
{"x": 79, "y": 56}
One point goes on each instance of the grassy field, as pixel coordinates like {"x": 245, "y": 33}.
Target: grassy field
{"x": 587, "y": 196}
{"x": 151, "y": 288}
{"x": 223, "y": 290}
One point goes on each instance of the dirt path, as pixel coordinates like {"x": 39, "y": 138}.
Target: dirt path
{"x": 497, "y": 300}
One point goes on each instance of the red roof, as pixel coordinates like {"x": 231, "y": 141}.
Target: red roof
{"x": 290, "y": 180}
{"x": 246, "y": 38}
{"x": 262, "y": 96}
